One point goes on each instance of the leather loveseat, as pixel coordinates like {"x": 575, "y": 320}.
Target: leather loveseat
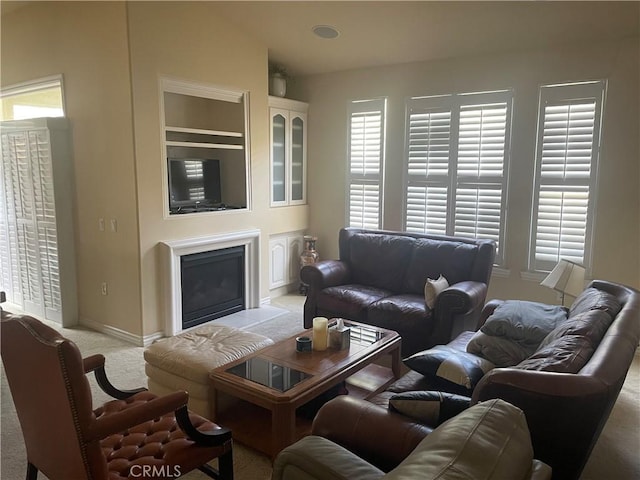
{"x": 568, "y": 387}
{"x": 380, "y": 279}
{"x": 489, "y": 441}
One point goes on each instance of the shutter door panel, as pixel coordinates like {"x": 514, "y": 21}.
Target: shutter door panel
{"x": 478, "y": 212}
{"x": 429, "y": 143}
{"x": 426, "y": 209}
{"x": 364, "y": 202}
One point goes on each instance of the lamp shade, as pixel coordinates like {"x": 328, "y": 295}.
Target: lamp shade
{"x": 566, "y": 277}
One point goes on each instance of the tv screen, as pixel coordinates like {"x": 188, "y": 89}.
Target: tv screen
{"x": 194, "y": 182}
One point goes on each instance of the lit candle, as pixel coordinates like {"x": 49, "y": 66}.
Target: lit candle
{"x": 320, "y": 333}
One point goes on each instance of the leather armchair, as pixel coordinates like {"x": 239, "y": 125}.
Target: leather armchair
{"x": 136, "y": 435}
{"x": 352, "y": 440}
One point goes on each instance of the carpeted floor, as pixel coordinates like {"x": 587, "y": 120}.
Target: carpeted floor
{"x": 615, "y": 455}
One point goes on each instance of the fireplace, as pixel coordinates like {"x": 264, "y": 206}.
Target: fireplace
{"x": 199, "y": 273}
{"x": 212, "y": 285}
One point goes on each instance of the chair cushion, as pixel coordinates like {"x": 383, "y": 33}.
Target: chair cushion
{"x": 591, "y": 324}
{"x": 450, "y": 365}
{"x": 156, "y": 442}
{"x": 431, "y": 258}
{"x": 380, "y": 260}
{"x": 349, "y": 301}
{"x": 567, "y": 354}
{"x": 595, "y": 299}
{"x": 489, "y": 441}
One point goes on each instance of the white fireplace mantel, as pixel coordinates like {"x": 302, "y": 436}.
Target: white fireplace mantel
{"x": 172, "y": 250}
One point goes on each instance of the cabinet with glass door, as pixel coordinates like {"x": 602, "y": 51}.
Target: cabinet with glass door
{"x": 288, "y": 127}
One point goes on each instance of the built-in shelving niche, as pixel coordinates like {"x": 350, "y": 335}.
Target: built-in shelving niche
{"x": 205, "y": 137}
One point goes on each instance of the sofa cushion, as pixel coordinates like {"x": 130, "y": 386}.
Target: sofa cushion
{"x": 567, "y": 354}
{"x": 501, "y": 351}
{"x": 591, "y": 324}
{"x": 432, "y": 258}
{"x": 432, "y": 289}
{"x": 595, "y": 299}
{"x": 431, "y": 408}
{"x": 380, "y": 260}
{"x": 489, "y": 441}
{"x": 450, "y": 365}
{"x": 524, "y": 322}
{"x": 349, "y": 301}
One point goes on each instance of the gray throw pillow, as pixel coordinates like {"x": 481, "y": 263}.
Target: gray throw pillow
{"x": 524, "y": 322}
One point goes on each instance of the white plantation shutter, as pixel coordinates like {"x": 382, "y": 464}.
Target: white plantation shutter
{"x": 366, "y": 153}
{"x": 457, "y": 158}
{"x": 566, "y": 160}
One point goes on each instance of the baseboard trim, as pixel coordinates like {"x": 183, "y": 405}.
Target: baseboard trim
{"x": 138, "y": 340}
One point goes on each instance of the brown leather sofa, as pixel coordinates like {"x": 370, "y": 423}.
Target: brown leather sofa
{"x": 567, "y": 393}
{"x": 488, "y": 441}
{"x": 379, "y": 280}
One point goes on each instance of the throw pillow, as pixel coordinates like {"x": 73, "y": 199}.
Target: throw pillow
{"x": 524, "y": 322}
{"x": 449, "y": 365}
{"x": 431, "y": 408}
{"x": 432, "y": 289}
{"x": 501, "y": 351}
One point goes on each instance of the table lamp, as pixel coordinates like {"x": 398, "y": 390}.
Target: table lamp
{"x": 567, "y": 277}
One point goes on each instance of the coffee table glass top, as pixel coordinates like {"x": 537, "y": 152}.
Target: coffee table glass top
{"x": 269, "y": 374}
{"x": 363, "y": 335}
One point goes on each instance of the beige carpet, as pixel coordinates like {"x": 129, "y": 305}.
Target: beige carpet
{"x": 614, "y": 457}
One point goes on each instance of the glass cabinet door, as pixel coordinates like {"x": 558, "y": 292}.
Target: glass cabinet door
{"x": 297, "y": 159}
{"x": 278, "y": 158}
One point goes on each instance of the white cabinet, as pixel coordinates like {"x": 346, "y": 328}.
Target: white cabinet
{"x": 284, "y": 259}
{"x": 288, "y": 136}
{"x": 37, "y": 258}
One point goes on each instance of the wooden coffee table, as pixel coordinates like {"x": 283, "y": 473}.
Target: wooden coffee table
{"x": 279, "y": 379}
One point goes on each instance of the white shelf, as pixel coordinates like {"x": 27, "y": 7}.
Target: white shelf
{"x": 200, "y": 131}
{"x": 222, "y": 146}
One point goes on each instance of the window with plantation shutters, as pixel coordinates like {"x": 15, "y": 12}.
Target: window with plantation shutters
{"x": 457, "y": 160}
{"x": 569, "y": 123}
{"x": 366, "y": 154}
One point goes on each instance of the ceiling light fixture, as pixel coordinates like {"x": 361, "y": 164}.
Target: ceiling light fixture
{"x": 325, "y": 31}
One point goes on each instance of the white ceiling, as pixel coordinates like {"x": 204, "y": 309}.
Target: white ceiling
{"x": 376, "y": 33}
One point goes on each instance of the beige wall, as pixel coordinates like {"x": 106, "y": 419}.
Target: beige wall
{"x": 112, "y": 55}
{"x": 617, "y": 229}
{"x": 194, "y": 43}
{"x": 86, "y": 42}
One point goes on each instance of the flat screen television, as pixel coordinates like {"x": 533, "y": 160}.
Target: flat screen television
{"x": 194, "y": 182}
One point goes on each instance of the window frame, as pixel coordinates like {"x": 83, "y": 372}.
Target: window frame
{"x": 454, "y": 103}
{"x": 32, "y": 86}
{"x": 568, "y": 94}
{"x": 356, "y": 107}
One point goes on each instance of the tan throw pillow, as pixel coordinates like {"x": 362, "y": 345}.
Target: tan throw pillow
{"x": 432, "y": 289}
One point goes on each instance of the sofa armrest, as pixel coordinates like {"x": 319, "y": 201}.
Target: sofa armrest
{"x": 374, "y": 433}
{"x": 319, "y": 458}
{"x": 325, "y": 273}
{"x": 457, "y": 310}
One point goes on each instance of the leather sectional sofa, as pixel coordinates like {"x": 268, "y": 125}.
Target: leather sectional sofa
{"x": 379, "y": 279}
{"x": 566, "y": 389}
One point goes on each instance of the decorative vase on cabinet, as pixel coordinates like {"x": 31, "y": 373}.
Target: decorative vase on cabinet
{"x": 278, "y": 85}
{"x": 309, "y": 256}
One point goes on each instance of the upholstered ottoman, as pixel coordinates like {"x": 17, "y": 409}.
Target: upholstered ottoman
{"x": 183, "y": 362}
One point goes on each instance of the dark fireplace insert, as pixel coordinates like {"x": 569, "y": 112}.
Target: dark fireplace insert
{"x": 212, "y": 285}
